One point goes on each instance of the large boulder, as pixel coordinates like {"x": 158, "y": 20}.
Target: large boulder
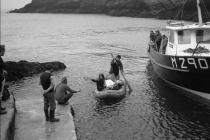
{"x": 18, "y": 70}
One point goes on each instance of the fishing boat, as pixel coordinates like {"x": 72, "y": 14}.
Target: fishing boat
{"x": 185, "y": 61}
{"x": 110, "y": 94}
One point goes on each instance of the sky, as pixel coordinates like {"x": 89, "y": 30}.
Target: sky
{"x": 13, "y": 4}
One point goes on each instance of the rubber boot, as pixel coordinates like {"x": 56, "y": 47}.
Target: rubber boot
{"x": 2, "y": 110}
{"x": 46, "y": 114}
{"x": 52, "y": 116}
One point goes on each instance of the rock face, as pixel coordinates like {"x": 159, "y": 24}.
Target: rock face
{"x": 18, "y": 70}
{"x": 136, "y": 8}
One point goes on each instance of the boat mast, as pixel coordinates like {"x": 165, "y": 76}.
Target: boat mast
{"x": 199, "y": 13}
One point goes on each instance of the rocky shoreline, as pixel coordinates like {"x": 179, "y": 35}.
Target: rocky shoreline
{"x": 18, "y": 70}
{"x": 161, "y": 9}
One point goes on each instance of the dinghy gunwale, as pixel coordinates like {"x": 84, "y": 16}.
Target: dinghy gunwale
{"x": 115, "y": 94}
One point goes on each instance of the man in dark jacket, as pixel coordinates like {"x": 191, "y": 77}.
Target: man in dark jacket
{"x": 116, "y": 66}
{"x": 152, "y": 36}
{"x": 2, "y": 77}
{"x": 158, "y": 39}
{"x": 47, "y": 84}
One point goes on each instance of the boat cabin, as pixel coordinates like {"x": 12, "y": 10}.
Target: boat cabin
{"x": 188, "y": 40}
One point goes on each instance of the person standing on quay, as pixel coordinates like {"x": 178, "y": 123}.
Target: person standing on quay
{"x": 2, "y": 78}
{"x": 47, "y": 84}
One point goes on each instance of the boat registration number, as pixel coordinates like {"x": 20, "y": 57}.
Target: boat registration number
{"x": 186, "y": 63}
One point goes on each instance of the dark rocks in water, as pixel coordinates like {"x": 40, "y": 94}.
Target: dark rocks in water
{"x": 18, "y": 70}
{"x": 163, "y": 9}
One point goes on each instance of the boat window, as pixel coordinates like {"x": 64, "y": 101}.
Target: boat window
{"x": 184, "y": 37}
{"x": 171, "y": 37}
{"x": 202, "y": 35}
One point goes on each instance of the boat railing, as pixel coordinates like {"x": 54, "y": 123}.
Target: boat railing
{"x": 175, "y": 23}
{"x": 207, "y": 23}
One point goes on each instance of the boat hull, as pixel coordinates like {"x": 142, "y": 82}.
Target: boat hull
{"x": 191, "y": 73}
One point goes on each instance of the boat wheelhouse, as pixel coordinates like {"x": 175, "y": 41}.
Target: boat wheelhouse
{"x": 188, "y": 40}
{"x": 183, "y": 58}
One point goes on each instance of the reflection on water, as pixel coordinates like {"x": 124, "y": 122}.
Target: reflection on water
{"x": 175, "y": 107}
{"x": 106, "y": 108}
{"x": 84, "y": 43}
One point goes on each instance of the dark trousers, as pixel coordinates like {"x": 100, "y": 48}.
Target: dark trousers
{"x": 49, "y": 101}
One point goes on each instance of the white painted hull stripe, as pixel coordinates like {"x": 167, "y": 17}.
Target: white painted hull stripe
{"x": 167, "y": 67}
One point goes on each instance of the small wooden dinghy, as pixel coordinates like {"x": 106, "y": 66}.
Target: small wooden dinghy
{"x": 110, "y": 94}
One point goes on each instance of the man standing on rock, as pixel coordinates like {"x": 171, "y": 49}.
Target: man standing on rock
{"x": 47, "y": 84}
{"x": 2, "y": 77}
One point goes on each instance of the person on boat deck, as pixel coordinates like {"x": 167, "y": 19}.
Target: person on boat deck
{"x": 63, "y": 92}
{"x": 158, "y": 39}
{"x": 163, "y": 44}
{"x": 2, "y": 78}
{"x": 152, "y": 36}
{"x": 116, "y": 66}
{"x": 47, "y": 84}
{"x": 100, "y": 82}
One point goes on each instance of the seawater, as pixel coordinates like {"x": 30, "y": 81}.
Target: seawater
{"x": 84, "y": 43}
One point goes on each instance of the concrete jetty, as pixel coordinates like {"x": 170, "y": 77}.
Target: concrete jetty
{"x": 31, "y": 124}
{"x": 7, "y": 121}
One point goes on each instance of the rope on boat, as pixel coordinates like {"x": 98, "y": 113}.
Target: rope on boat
{"x": 206, "y": 12}
{"x": 180, "y": 12}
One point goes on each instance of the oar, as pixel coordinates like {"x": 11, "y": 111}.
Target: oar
{"x": 144, "y": 57}
{"x": 130, "y": 89}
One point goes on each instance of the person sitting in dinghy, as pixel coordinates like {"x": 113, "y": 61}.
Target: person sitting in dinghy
{"x": 110, "y": 85}
{"x": 100, "y": 82}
